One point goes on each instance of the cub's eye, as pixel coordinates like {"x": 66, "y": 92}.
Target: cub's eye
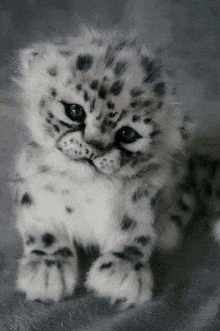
{"x": 127, "y": 135}
{"x": 74, "y": 111}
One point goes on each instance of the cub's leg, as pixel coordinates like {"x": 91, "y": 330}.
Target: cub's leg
{"x": 48, "y": 269}
{"x": 123, "y": 271}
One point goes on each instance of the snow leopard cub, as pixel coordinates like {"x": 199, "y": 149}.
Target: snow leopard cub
{"x": 104, "y": 133}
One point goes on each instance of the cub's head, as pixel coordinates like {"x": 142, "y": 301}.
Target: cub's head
{"x": 101, "y": 98}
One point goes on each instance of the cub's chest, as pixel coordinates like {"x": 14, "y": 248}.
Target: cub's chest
{"x": 81, "y": 198}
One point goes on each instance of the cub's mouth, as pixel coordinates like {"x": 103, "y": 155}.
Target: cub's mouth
{"x": 71, "y": 145}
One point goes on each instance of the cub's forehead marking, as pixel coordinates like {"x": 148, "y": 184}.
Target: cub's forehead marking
{"x": 116, "y": 87}
{"x": 136, "y": 91}
{"x": 110, "y": 105}
{"x": 103, "y": 91}
{"x": 151, "y": 69}
{"x": 86, "y": 96}
{"x": 120, "y": 68}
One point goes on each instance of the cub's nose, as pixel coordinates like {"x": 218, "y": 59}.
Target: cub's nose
{"x": 96, "y": 144}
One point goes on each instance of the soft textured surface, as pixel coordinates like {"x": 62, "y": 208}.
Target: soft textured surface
{"x": 188, "y": 292}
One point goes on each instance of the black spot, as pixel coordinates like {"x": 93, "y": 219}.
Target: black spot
{"x": 79, "y": 87}
{"x": 93, "y": 250}
{"x": 53, "y": 92}
{"x": 49, "y": 263}
{"x": 94, "y": 84}
{"x": 122, "y": 115}
{"x": 30, "y": 240}
{"x": 135, "y": 92}
{"x": 126, "y": 223}
{"x": 154, "y": 133}
{"x": 109, "y": 57}
{"x": 159, "y": 105}
{"x": 69, "y": 210}
{"x": 106, "y": 265}
{"x": 110, "y": 62}
{"x": 121, "y": 45}
{"x": 159, "y": 89}
{"x": 64, "y": 252}
{"x": 112, "y": 114}
{"x": 177, "y": 219}
{"x": 34, "y": 53}
{"x": 86, "y": 96}
{"x": 116, "y": 87}
{"x": 92, "y": 107}
{"x": 120, "y": 255}
{"x": 84, "y": 62}
{"x": 110, "y": 105}
{"x": 42, "y": 103}
{"x": 182, "y": 205}
{"x": 56, "y": 128}
{"x": 132, "y": 250}
{"x": 102, "y": 92}
{"x": 152, "y": 70}
{"x": 143, "y": 240}
{"x": 43, "y": 168}
{"x": 183, "y": 133}
{"x": 38, "y": 252}
{"x": 52, "y": 71}
{"x": 146, "y": 103}
{"x": 48, "y": 239}
{"x": 120, "y": 68}
{"x": 139, "y": 194}
{"x": 153, "y": 202}
{"x": 138, "y": 266}
{"x": 145, "y": 62}
{"x": 111, "y": 124}
{"x": 134, "y": 104}
{"x": 137, "y": 103}
{"x": 50, "y": 115}
{"x": 26, "y": 200}
{"x": 135, "y": 118}
{"x": 147, "y": 120}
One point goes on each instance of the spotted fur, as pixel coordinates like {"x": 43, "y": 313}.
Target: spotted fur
{"x": 106, "y": 134}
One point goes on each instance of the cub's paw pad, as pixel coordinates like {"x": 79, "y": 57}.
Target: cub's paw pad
{"x": 47, "y": 276}
{"x": 120, "y": 280}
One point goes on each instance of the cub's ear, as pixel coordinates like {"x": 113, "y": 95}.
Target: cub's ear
{"x": 28, "y": 57}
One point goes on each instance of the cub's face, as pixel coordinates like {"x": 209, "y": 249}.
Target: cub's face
{"x": 94, "y": 101}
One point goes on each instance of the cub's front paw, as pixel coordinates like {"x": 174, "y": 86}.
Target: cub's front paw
{"x": 121, "y": 280}
{"x": 48, "y": 276}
